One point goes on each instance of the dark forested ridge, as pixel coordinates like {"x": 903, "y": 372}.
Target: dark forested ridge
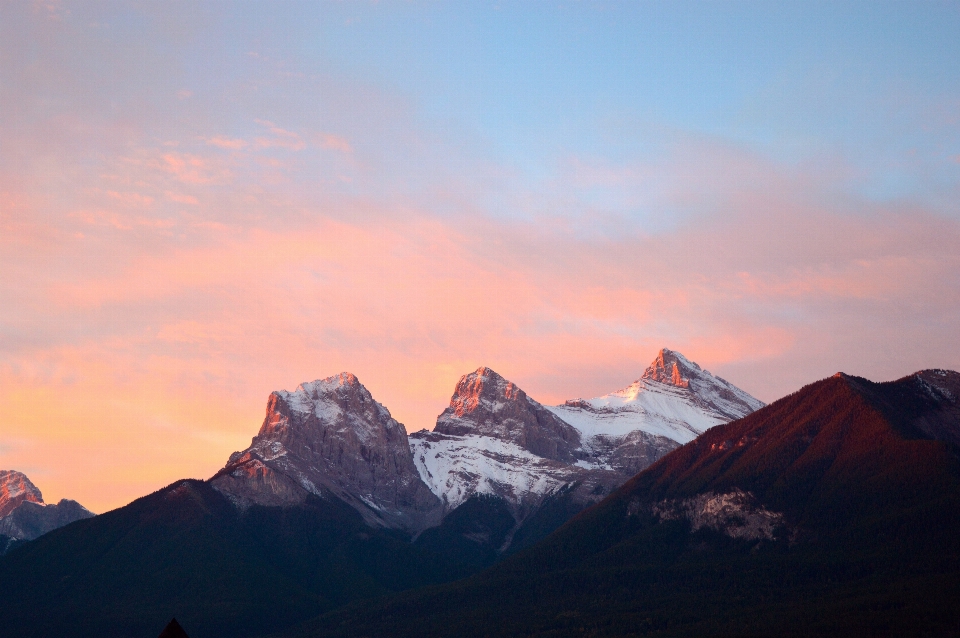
{"x": 842, "y": 520}
{"x": 186, "y": 551}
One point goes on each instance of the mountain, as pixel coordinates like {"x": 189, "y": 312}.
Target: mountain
{"x": 319, "y": 511}
{"x": 540, "y": 465}
{"x": 506, "y": 469}
{"x": 331, "y": 503}
{"x": 330, "y": 438}
{"x": 16, "y": 488}
{"x": 495, "y": 440}
{"x": 23, "y": 514}
{"x": 672, "y": 403}
{"x": 831, "y": 512}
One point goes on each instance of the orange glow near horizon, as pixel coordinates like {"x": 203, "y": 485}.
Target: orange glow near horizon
{"x": 181, "y": 234}
{"x": 409, "y": 306}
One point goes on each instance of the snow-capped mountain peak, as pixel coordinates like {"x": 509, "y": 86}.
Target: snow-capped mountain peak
{"x": 494, "y": 439}
{"x": 675, "y": 399}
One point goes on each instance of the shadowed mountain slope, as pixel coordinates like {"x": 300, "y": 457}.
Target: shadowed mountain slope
{"x": 831, "y": 512}
{"x": 188, "y": 551}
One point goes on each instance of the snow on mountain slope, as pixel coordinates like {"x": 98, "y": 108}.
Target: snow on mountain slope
{"x": 457, "y": 467}
{"x": 674, "y": 398}
{"x": 494, "y": 439}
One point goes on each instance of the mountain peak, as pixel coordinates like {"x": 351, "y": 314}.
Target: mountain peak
{"x": 483, "y": 383}
{"x": 24, "y": 515}
{"x": 674, "y": 398}
{"x": 486, "y": 404}
{"x": 15, "y": 488}
{"x": 671, "y": 368}
{"x": 346, "y": 380}
{"x": 330, "y": 437}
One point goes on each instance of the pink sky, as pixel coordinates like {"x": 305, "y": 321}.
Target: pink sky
{"x": 163, "y": 272}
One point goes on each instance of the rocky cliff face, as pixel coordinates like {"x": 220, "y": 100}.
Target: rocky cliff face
{"x": 16, "y": 488}
{"x": 330, "y": 438}
{"x": 32, "y": 520}
{"x": 23, "y": 514}
{"x": 486, "y": 404}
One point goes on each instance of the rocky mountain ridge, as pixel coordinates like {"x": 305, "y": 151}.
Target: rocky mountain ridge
{"x": 23, "y": 514}
{"x": 330, "y": 438}
{"x": 494, "y": 439}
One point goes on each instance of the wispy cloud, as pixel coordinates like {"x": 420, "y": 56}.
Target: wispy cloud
{"x": 280, "y": 138}
{"x": 226, "y": 142}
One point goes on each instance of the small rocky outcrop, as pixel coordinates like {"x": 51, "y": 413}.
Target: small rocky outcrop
{"x": 173, "y": 630}
{"x": 736, "y": 514}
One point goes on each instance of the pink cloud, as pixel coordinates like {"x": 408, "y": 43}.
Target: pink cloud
{"x": 193, "y": 169}
{"x": 335, "y": 143}
{"x": 226, "y": 142}
{"x": 281, "y": 138}
{"x": 182, "y": 199}
{"x": 131, "y": 199}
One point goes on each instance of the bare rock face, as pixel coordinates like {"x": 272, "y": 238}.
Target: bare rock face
{"x": 23, "y": 514}
{"x": 330, "y": 438}
{"x": 736, "y": 513}
{"x": 486, "y": 404}
{"x": 632, "y": 452}
{"x": 16, "y": 488}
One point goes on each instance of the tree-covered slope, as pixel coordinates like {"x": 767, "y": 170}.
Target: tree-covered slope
{"x": 187, "y": 552}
